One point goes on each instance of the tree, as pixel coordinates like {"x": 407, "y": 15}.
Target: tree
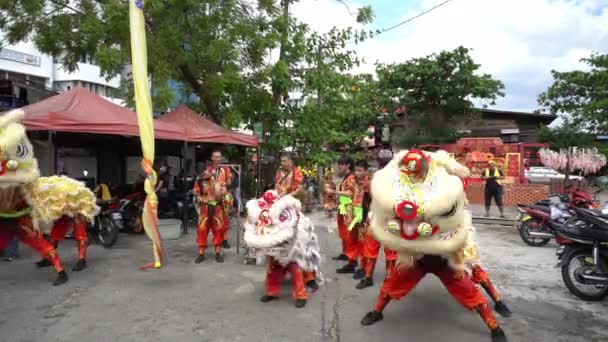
{"x": 583, "y": 95}
{"x": 568, "y": 134}
{"x": 437, "y": 90}
{"x": 212, "y": 47}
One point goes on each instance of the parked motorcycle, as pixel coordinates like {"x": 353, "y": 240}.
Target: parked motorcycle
{"x": 130, "y": 207}
{"x": 537, "y": 223}
{"x": 583, "y": 254}
{"x": 104, "y": 228}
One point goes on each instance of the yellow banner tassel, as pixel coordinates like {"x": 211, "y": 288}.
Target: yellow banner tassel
{"x": 143, "y": 106}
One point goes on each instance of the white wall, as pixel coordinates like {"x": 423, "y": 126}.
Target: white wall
{"x": 45, "y": 69}
{"x": 85, "y": 72}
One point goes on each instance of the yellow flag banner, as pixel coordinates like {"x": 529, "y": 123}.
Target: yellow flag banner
{"x": 143, "y": 106}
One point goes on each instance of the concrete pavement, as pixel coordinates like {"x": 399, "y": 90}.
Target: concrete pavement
{"x": 113, "y": 301}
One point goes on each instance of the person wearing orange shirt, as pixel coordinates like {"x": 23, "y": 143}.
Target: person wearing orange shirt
{"x": 210, "y": 188}
{"x": 288, "y": 181}
{"x": 345, "y": 194}
{"x": 369, "y": 247}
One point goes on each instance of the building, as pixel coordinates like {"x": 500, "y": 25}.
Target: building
{"x": 510, "y": 126}
{"x": 28, "y": 76}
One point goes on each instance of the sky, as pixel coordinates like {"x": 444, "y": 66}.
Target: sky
{"x": 516, "y": 41}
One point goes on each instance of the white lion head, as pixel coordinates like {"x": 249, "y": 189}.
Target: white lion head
{"x": 17, "y": 162}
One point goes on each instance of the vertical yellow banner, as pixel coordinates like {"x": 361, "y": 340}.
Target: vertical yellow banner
{"x": 143, "y": 106}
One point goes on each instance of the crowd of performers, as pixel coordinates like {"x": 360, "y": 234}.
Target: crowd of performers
{"x": 360, "y": 249}
{"x": 27, "y": 201}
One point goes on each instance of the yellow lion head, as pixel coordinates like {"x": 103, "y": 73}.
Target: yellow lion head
{"x": 17, "y": 162}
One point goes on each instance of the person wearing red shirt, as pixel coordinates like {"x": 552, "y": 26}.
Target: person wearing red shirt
{"x": 210, "y": 188}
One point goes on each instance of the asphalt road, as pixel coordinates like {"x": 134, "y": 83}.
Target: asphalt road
{"x": 113, "y": 301}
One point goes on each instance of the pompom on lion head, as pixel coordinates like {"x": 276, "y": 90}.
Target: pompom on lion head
{"x": 418, "y": 203}
{"x": 17, "y": 162}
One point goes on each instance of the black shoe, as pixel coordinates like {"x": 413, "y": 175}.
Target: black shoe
{"x": 200, "y": 258}
{"x": 348, "y": 268}
{"x": 313, "y": 285}
{"x": 498, "y": 335}
{"x": 219, "y": 257}
{"x": 267, "y": 298}
{"x": 80, "y": 265}
{"x": 225, "y": 244}
{"x": 365, "y": 282}
{"x": 502, "y": 309}
{"x": 300, "y": 303}
{"x": 372, "y": 317}
{"x": 340, "y": 257}
{"x": 62, "y": 278}
{"x": 43, "y": 263}
{"x": 359, "y": 274}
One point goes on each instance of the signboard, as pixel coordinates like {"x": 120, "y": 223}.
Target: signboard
{"x": 16, "y": 56}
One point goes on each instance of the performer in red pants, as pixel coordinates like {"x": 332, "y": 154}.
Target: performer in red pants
{"x": 61, "y": 227}
{"x": 345, "y": 193}
{"x": 210, "y": 188}
{"x": 402, "y": 280}
{"x": 274, "y": 278}
{"x": 369, "y": 256}
{"x": 22, "y": 228}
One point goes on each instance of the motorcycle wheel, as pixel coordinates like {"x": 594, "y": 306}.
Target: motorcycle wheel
{"x": 578, "y": 262}
{"x": 524, "y": 232}
{"x": 108, "y": 232}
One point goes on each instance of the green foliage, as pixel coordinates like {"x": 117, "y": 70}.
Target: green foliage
{"x": 581, "y": 94}
{"x": 437, "y": 90}
{"x": 568, "y": 134}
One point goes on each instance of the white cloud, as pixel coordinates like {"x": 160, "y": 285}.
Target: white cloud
{"x": 517, "y": 41}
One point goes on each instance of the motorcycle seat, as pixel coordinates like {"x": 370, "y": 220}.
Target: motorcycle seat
{"x": 544, "y": 208}
{"x": 596, "y": 216}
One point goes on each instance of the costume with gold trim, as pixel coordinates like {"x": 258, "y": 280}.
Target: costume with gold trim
{"x": 418, "y": 210}
{"x": 31, "y": 205}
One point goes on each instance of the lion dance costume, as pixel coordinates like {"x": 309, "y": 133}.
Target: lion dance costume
{"x": 29, "y": 202}
{"x": 418, "y": 211}
{"x": 278, "y": 229}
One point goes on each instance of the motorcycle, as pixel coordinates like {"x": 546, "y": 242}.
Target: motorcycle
{"x": 537, "y": 224}
{"x": 583, "y": 254}
{"x": 130, "y": 208}
{"x": 104, "y": 228}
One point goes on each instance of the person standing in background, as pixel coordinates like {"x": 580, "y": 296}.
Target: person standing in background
{"x": 493, "y": 189}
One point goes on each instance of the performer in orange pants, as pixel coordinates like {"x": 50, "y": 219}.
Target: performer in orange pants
{"x": 479, "y": 276}
{"x": 274, "y": 277}
{"x": 369, "y": 255}
{"x": 459, "y": 285}
{"x": 22, "y": 228}
{"x": 211, "y": 219}
{"x": 345, "y": 193}
{"x": 310, "y": 279}
{"x": 61, "y": 227}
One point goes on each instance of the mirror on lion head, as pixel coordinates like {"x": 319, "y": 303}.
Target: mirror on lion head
{"x": 17, "y": 162}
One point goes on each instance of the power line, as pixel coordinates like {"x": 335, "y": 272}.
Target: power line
{"x": 414, "y": 17}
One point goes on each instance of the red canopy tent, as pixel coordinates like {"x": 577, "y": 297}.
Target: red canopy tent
{"x": 81, "y": 111}
{"x": 199, "y": 129}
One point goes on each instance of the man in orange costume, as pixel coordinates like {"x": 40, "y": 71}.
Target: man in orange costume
{"x": 61, "y": 227}
{"x": 369, "y": 247}
{"x": 210, "y": 188}
{"x": 288, "y": 181}
{"x": 346, "y": 193}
